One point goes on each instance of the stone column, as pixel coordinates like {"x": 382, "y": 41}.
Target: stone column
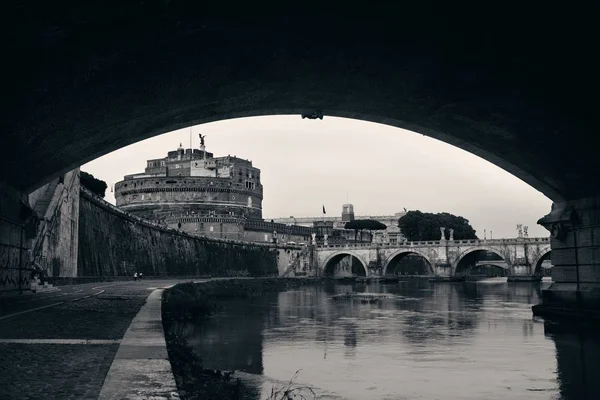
{"x": 575, "y": 243}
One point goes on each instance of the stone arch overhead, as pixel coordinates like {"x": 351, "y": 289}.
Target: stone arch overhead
{"x": 90, "y": 118}
{"x": 344, "y": 252}
{"x": 510, "y": 166}
{"x": 478, "y": 248}
{"x": 406, "y": 251}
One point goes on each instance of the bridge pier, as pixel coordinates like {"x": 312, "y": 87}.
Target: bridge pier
{"x": 18, "y": 224}
{"x": 575, "y": 242}
{"x": 522, "y": 270}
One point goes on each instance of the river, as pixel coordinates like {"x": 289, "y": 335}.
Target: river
{"x": 426, "y": 341}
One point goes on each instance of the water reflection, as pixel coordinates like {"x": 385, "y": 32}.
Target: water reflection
{"x": 431, "y": 340}
{"x": 578, "y": 359}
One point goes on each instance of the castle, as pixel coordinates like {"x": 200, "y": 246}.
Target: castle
{"x": 193, "y": 191}
{"x": 197, "y": 193}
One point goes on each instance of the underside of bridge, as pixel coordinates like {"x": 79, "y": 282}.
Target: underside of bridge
{"x": 408, "y": 264}
{"x": 543, "y": 264}
{"x": 343, "y": 266}
{"x": 473, "y": 263}
{"x": 510, "y": 85}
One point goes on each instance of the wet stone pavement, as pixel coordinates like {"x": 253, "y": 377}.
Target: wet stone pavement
{"x": 69, "y": 370}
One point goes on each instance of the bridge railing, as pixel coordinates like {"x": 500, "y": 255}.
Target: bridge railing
{"x": 472, "y": 242}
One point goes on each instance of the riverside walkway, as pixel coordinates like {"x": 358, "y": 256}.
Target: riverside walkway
{"x": 62, "y": 344}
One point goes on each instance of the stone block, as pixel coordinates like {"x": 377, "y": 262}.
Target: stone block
{"x": 588, "y": 255}
{"x": 589, "y": 273}
{"x": 565, "y": 256}
{"x": 564, "y": 274}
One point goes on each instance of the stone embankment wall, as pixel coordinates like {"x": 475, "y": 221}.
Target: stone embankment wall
{"x": 55, "y": 246}
{"x": 115, "y": 243}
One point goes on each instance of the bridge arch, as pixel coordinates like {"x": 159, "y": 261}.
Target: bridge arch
{"x": 338, "y": 255}
{"x": 403, "y": 253}
{"x": 461, "y": 257}
{"x": 537, "y": 263}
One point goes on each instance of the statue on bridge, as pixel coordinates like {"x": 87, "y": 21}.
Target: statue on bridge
{"x": 201, "y": 139}
{"x": 314, "y": 238}
{"x": 443, "y": 232}
{"x": 451, "y": 234}
{"x": 525, "y": 234}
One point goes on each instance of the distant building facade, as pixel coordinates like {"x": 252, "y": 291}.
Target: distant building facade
{"x": 334, "y": 226}
{"x": 197, "y": 193}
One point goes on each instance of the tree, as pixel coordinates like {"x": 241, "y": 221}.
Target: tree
{"x": 94, "y": 185}
{"x": 417, "y": 225}
{"x": 364, "y": 224}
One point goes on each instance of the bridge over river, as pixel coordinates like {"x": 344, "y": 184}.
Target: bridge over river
{"x": 521, "y": 257}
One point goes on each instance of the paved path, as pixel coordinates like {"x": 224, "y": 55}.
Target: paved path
{"x": 14, "y": 303}
{"x": 65, "y": 350}
{"x": 141, "y": 368}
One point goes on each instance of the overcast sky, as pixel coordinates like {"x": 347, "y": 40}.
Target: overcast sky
{"x": 380, "y": 169}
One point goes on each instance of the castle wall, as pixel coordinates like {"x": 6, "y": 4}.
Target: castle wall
{"x": 114, "y": 243}
{"x": 160, "y": 197}
{"x": 214, "y": 227}
{"x": 261, "y": 231}
{"x": 267, "y": 237}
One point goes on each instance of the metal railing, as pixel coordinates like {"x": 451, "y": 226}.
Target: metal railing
{"x": 426, "y": 243}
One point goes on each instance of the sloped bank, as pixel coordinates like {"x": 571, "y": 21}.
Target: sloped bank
{"x": 189, "y": 301}
{"x": 115, "y": 243}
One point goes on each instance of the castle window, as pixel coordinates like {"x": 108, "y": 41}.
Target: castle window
{"x": 212, "y": 229}
{"x": 250, "y": 185}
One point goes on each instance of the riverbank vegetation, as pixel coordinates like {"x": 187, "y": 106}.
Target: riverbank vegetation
{"x": 197, "y": 301}
{"x": 417, "y": 225}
